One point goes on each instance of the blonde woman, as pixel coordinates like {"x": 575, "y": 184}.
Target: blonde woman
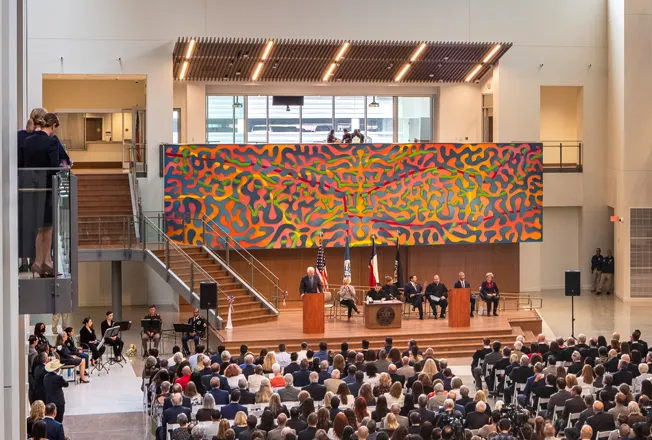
{"x": 264, "y": 394}
{"x": 222, "y": 427}
{"x": 391, "y": 424}
{"x": 36, "y": 413}
{"x": 239, "y": 423}
{"x": 395, "y": 394}
{"x": 327, "y": 399}
{"x": 586, "y": 379}
{"x": 571, "y": 381}
{"x": 347, "y": 297}
{"x": 268, "y": 363}
{"x": 191, "y": 392}
{"x": 429, "y": 367}
{"x": 384, "y": 383}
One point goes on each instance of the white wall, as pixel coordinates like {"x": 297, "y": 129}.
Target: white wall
{"x": 556, "y": 42}
{"x": 560, "y": 247}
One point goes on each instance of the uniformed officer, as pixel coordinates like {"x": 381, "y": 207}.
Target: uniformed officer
{"x": 198, "y": 326}
{"x": 151, "y": 335}
{"x": 596, "y": 269}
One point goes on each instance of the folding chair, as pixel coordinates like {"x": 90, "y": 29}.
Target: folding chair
{"x": 540, "y": 404}
{"x": 603, "y": 434}
{"x": 555, "y": 414}
{"x": 518, "y": 387}
{"x": 498, "y": 375}
{"x": 171, "y": 427}
{"x": 572, "y": 418}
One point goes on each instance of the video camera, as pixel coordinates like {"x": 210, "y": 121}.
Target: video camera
{"x": 517, "y": 416}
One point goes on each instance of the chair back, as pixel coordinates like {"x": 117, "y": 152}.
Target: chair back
{"x": 540, "y": 404}
{"x": 555, "y": 414}
{"x": 603, "y": 434}
{"x": 328, "y": 296}
{"x": 572, "y": 417}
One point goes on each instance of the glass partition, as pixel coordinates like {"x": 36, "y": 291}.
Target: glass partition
{"x": 415, "y": 122}
{"x": 256, "y": 119}
{"x": 380, "y": 119}
{"x": 317, "y": 119}
{"x": 284, "y": 123}
{"x": 224, "y": 119}
{"x": 349, "y": 114}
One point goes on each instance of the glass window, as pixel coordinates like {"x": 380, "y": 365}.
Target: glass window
{"x": 317, "y": 119}
{"x": 238, "y": 120}
{"x": 257, "y": 119}
{"x": 176, "y": 125}
{"x": 349, "y": 114}
{"x": 415, "y": 119}
{"x": 284, "y": 123}
{"x": 220, "y": 124}
{"x": 380, "y": 119}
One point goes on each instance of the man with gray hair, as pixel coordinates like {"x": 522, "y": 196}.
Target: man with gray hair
{"x": 576, "y": 366}
{"x": 170, "y": 415}
{"x": 246, "y": 396}
{"x": 362, "y": 433}
{"x": 333, "y": 382}
{"x": 323, "y": 372}
{"x": 519, "y": 375}
{"x": 406, "y": 370}
{"x": 382, "y": 363}
{"x": 197, "y": 432}
{"x": 437, "y": 400}
{"x": 277, "y": 433}
{"x": 315, "y": 390}
{"x": 311, "y": 283}
{"x": 623, "y": 375}
{"x": 249, "y": 368}
{"x": 287, "y": 431}
{"x": 477, "y": 419}
{"x": 449, "y": 411}
{"x": 288, "y": 393}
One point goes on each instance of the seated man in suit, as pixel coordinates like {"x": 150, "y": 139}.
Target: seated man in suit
{"x": 54, "y": 428}
{"x": 221, "y": 396}
{"x": 170, "y": 414}
{"x": 377, "y": 293}
{"x": 246, "y": 396}
{"x": 572, "y": 406}
{"x": 315, "y": 390}
{"x": 354, "y": 387}
{"x": 392, "y": 370}
{"x": 176, "y": 389}
{"x": 478, "y": 418}
{"x": 461, "y": 283}
{"x": 229, "y": 411}
{"x": 414, "y": 295}
{"x": 559, "y": 398}
{"x": 215, "y": 372}
{"x": 311, "y": 283}
{"x": 302, "y": 377}
{"x": 288, "y": 393}
{"x": 600, "y": 420}
{"x": 311, "y": 430}
{"x": 437, "y": 294}
{"x": 623, "y": 375}
{"x": 490, "y": 294}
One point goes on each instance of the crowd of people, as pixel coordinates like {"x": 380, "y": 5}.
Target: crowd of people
{"x": 573, "y": 389}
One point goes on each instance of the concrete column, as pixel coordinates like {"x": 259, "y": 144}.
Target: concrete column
{"x": 13, "y": 391}
{"x": 116, "y": 290}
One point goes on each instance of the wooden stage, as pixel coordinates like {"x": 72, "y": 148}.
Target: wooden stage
{"x": 447, "y": 342}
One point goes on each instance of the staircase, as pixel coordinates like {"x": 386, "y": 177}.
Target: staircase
{"x": 104, "y": 201}
{"x": 247, "y": 309}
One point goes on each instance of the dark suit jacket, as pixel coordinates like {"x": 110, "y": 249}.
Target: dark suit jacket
{"x": 575, "y": 367}
{"x": 640, "y": 346}
{"x": 54, "y": 385}
{"x": 39, "y": 387}
{"x": 622, "y": 376}
{"x": 355, "y": 388}
{"x": 476, "y": 420}
{"x": 248, "y": 371}
{"x": 588, "y": 412}
{"x": 206, "y": 381}
{"x": 557, "y": 399}
{"x": 436, "y": 290}
{"x": 307, "y": 434}
{"x": 247, "y": 397}
{"x": 485, "y": 290}
{"x": 323, "y": 375}
{"x": 306, "y": 287}
{"x": 288, "y": 394}
{"x": 458, "y": 285}
{"x": 479, "y": 354}
{"x": 521, "y": 374}
{"x": 409, "y": 290}
{"x": 170, "y": 414}
{"x": 573, "y": 405}
{"x": 301, "y": 378}
{"x": 544, "y": 392}
{"x": 221, "y": 396}
{"x": 229, "y": 411}
{"x": 426, "y": 415}
{"x": 297, "y": 424}
{"x": 246, "y": 434}
{"x": 397, "y": 378}
{"x": 291, "y": 368}
{"x": 54, "y": 429}
{"x": 167, "y": 403}
{"x": 611, "y": 365}
{"x": 601, "y": 422}
{"x": 315, "y": 390}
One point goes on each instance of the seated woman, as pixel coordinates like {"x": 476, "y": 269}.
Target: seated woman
{"x": 490, "y": 294}
{"x": 347, "y": 297}
{"x": 69, "y": 359}
{"x": 70, "y": 343}
{"x": 264, "y": 393}
{"x": 255, "y": 379}
{"x": 36, "y": 413}
{"x": 88, "y": 339}
{"x": 114, "y": 341}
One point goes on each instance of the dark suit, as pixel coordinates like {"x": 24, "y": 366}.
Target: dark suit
{"x": 487, "y": 289}
{"x": 206, "y": 381}
{"x": 185, "y": 401}
{"x": 291, "y": 368}
{"x": 54, "y": 385}
{"x": 413, "y": 295}
{"x": 479, "y": 354}
{"x": 640, "y": 346}
{"x": 557, "y": 399}
{"x": 476, "y": 420}
{"x": 221, "y": 396}
{"x": 323, "y": 375}
{"x": 622, "y": 376}
{"x": 437, "y": 295}
{"x": 297, "y": 424}
{"x": 573, "y": 405}
{"x": 307, "y": 434}
{"x": 467, "y": 285}
{"x": 229, "y": 411}
{"x": 575, "y": 368}
{"x": 38, "y": 392}
{"x": 54, "y": 429}
{"x": 247, "y": 397}
{"x": 313, "y": 285}
{"x": 601, "y": 422}
{"x": 397, "y": 378}
{"x": 301, "y": 378}
{"x": 544, "y": 392}
{"x": 391, "y": 291}
{"x": 288, "y": 394}
{"x": 354, "y": 388}
{"x": 426, "y": 415}
{"x": 170, "y": 415}
{"x": 315, "y": 390}
{"x": 248, "y": 371}
{"x": 246, "y": 434}
{"x": 611, "y": 365}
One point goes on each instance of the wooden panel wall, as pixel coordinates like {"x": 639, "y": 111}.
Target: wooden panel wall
{"x": 423, "y": 261}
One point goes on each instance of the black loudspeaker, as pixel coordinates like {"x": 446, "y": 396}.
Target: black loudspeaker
{"x": 572, "y": 283}
{"x": 207, "y": 295}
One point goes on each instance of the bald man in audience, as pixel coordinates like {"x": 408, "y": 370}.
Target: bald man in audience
{"x": 600, "y": 420}
{"x": 277, "y": 433}
{"x": 586, "y": 433}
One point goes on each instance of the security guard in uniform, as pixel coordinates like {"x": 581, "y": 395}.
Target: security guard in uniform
{"x": 147, "y": 336}
{"x": 198, "y": 327}
{"x": 596, "y": 269}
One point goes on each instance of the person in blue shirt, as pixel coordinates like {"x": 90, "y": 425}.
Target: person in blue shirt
{"x": 322, "y": 354}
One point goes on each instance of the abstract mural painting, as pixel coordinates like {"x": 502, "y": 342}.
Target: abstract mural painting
{"x": 283, "y": 196}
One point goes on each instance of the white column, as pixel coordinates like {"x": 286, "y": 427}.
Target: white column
{"x": 10, "y": 421}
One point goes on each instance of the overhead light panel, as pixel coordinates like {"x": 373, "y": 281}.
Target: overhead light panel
{"x": 402, "y": 73}
{"x": 491, "y": 53}
{"x": 374, "y": 104}
{"x": 256, "y": 74}
{"x": 329, "y": 71}
{"x": 268, "y": 49}
{"x": 417, "y": 52}
{"x": 191, "y": 49}
{"x": 473, "y": 73}
{"x": 342, "y": 51}
{"x": 184, "y": 70}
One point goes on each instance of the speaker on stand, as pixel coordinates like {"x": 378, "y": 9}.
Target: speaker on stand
{"x": 207, "y": 301}
{"x": 572, "y": 289}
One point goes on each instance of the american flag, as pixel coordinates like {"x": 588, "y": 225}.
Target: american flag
{"x": 321, "y": 265}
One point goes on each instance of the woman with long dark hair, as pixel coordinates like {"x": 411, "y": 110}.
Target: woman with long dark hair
{"x": 412, "y": 398}
{"x": 381, "y": 409}
{"x": 88, "y": 339}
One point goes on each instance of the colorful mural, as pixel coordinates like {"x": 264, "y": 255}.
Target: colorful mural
{"x": 282, "y": 196}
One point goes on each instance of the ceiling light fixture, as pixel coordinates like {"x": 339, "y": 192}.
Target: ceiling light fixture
{"x": 374, "y": 104}
{"x": 329, "y": 71}
{"x": 473, "y": 73}
{"x": 268, "y": 49}
{"x": 491, "y": 53}
{"x": 342, "y": 50}
{"x": 256, "y": 74}
{"x": 184, "y": 70}
{"x": 417, "y": 52}
{"x": 402, "y": 72}
{"x": 191, "y": 49}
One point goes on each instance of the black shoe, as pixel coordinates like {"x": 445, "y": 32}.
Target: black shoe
{"x": 495, "y": 313}
{"x": 608, "y": 293}
{"x": 434, "y": 316}
{"x": 443, "y": 315}
{"x": 471, "y": 314}
{"x": 421, "y": 318}
{"x": 598, "y": 293}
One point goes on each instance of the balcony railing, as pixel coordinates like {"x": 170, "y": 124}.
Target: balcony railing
{"x": 562, "y": 156}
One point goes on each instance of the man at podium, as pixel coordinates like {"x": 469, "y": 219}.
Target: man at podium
{"x": 310, "y": 283}
{"x": 461, "y": 283}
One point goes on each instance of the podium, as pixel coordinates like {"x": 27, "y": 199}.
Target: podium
{"x": 459, "y": 307}
{"x": 313, "y": 313}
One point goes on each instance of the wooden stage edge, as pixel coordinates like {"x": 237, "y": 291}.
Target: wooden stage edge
{"x": 446, "y": 341}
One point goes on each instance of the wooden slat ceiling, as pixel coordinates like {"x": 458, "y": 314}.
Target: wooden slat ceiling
{"x": 235, "y": 59}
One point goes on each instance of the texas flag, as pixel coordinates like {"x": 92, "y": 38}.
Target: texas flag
{"x": 373, "y": 265}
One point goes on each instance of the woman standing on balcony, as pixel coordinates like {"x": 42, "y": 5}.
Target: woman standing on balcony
{"x": 41, "y": 150}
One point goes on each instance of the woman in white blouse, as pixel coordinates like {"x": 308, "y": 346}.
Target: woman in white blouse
{"x": 255, "y": 379}
{"x": 395, "y": 394}
{"x": 347, "y": 297}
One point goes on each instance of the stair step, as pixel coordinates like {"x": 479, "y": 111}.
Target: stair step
{"x": 237, "y": 322}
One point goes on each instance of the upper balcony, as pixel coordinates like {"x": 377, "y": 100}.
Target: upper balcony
{"x": 562, "y": 156}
